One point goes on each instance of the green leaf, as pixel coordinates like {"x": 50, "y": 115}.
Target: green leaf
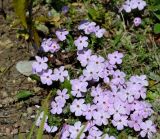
{"x": 123, "y": 135}
{"x": 68, "y": 86}
{"x": 36, "y": 37}
{"x": 154, "y": 77}
{"x": 42, "y": 28}
{"x": 157, "y": 28}
{"x": 23, "y": 94}
{"x": 54, "y": 13}
{"x": 35, "y": 77}
{"x": 93, "y": 13}
{"x": 20, "y": 10}
{"x": 157, "y": 15}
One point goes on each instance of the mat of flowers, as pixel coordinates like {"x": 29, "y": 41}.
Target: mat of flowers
{"x": 100, "y": 98}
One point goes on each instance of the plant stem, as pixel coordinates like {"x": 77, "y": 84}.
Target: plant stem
{"x": 30, "y": 25}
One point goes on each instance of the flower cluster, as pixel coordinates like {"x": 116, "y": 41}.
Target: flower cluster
{"x": 130, "y": 5}
{"x": 47, "y": 75}
{"x": 90, "y": 27}
{"x": 59, "y": 102}
{"x": 115, "y": 101}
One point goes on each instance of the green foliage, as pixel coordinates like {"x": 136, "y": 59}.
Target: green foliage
{"x": 54, "y": 120}
{"x": 154, "y": 76}
{"x": 23, "y": 94}
{"x": 68, "y": 86}
{"x": 20, "y": 10}
{"x": 43, "y": 28}
{"x": 35, "y": 77}
{"x": 70, "y": 44}
{"x": 96, "y": 13}
{"x": 157, "y": 28}
{"x": 89, "y": 98}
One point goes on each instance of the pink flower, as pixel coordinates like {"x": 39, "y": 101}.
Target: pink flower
{"x": 39, "y": 119}
{"x": 94, "y": 133}
{"x": 63, "y": 93}
{"x": 90, "y": 28}
{"x": 47, "y": 77}
{"x": 78, "y": 87}
{"x": 106, "y": 136}
{"x": 117, "y": 109}
{"x": 97, "y": 60}
{"x": 135, "y": 122}
{"x": 130, "y": 5}
{"x": 115, "y": 58}
{"x": 91, "y": 72}
{"x": 50, "y": 45}
{"x": 61, "y": 34}
{"x": 99, "y": 32}
{"x": 118, "y": 77}
{"x": 56, "y": 109}
{"x": 84, "y": 57}
{"x": 147, "y": 129}
{"x": 142, "y": 80}
{"x": 141, "y": 4}
{"x": 60, "y": 74}
{"x": 78, "y": 107}
{"x": 101, "y": 117}
{"x": 40, "y": 64}
{"x": 50, "y": 129}
{"x": 127, "y": 6}
{"x": 83, "y": 25}
{"x": 97, "y": 93}
{"x": 120, "y": 122}
{"x": 81, "y": 42}
{"x": 126, "y": 95}
{"x": 89, "y": 112}
{"x": 75, "y": 130}
{"x": 137, "y": 21}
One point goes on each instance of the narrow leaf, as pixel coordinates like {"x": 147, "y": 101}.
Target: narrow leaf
{"x": 36, "y": 38}
{"x": 23, "y": 94}
{"x": 20, "y": 10}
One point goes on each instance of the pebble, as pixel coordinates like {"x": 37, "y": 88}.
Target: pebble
{"x": 1, "y": 105}
{"x": 14, "y": 131}
{"x": 8, "y": 131}
{"x": 24, "y": 114}
{"x": 4, "y": 94}
{"x": 29, "y": 110}
{"x": 36, "y": 89}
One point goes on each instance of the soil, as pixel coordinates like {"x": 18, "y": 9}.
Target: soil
{"x": 15, "y": 116}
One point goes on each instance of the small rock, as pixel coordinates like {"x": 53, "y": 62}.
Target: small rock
{"x": 33, "y": 116}
{"x": 24, "y": 67}
{"x": 14, "y": 131}
{"x": 5, "y": 113}
{"x": 16, "y": 125}
{"x": 24, "y": 114}
{"x": 36, "y": 89}
{"x": 8, "y": 131}
{"x": 29, "y": 110}
{"x": 4, "y": 94}
{"x": 1, "y": 105}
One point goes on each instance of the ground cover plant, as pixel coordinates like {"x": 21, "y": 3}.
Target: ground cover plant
{"x": 98, "y": 61}
{"x": 99, "y": 96}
